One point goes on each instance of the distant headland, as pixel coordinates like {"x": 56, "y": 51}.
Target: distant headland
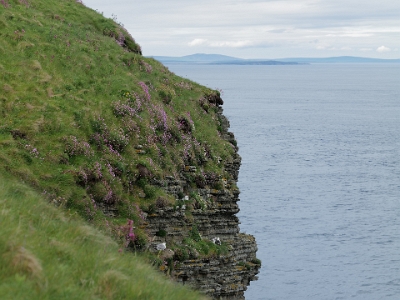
{"x": 218, "y": 59}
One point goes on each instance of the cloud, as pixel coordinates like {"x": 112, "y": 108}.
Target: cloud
{"x": 229, "y": 44}
{"x": 256, "y": 28}
{"x": 220, "y": 44}
{"x": 197, "y": 42}
{"x": 277, "y": 30}
{"x": 383, "y": 49}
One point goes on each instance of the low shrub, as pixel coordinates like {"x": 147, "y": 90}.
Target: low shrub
{"x": 194, "y": 234}
{"x": 161, "y": 233}
{"x": 181, "y": 254}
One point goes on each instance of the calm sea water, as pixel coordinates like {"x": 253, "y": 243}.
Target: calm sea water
{"x": 320, "y": 175}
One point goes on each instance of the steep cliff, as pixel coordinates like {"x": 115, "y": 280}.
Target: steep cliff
{"x": 136, "y": 151}
{"x": 224, "y": 276}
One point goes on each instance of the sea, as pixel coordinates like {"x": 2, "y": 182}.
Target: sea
{"x": 320, "y": 175}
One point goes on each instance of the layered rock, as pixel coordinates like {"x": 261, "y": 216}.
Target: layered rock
{"x": 225, "y": 276}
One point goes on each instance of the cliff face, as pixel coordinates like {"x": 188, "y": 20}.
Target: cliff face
{"x": 225, "y": 276}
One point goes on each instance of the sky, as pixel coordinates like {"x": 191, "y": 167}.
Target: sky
{"x": 265, "y": 29}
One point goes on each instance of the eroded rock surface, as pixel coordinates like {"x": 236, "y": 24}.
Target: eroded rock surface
{"x": 223, "y": 277}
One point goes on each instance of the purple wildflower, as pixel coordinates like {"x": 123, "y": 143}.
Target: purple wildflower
{"x": 145, "y": 89}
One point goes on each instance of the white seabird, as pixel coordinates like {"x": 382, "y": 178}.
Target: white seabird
{"x": 161, "y": 246}
{"x": 216, "y": 241}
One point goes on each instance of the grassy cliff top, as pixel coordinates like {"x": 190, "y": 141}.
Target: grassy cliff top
{"x": 89, "y": 124}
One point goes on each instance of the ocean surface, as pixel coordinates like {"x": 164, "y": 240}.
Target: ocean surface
{"x": 320, "y": 175}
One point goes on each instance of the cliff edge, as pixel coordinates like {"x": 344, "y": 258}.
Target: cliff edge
{"x": 117, "y": 139}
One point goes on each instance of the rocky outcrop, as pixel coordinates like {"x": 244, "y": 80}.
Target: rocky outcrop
{"x": 224, "y": 277}
{"x": 221, "y": 277}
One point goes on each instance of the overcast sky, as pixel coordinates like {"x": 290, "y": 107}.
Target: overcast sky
{"x": 260, "y": 28}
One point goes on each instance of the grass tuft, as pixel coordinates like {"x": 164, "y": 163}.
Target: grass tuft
{"x": 23, "y": 262}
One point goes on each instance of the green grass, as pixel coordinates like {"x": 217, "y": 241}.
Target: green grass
{"x": 46, "y": 253}
{"x": 75, "y": 106}
{"x": 87, "y": 122}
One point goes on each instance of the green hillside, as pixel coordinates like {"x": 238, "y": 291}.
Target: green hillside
{"x": 88, "y": 124}
{"x": 46, "y": 253}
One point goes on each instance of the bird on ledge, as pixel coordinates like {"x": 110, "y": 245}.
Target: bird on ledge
{"x": 216, "y": 241}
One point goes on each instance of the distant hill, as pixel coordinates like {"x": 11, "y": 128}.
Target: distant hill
{"x": 217, "y": 59}
{"x": 339, "y": 59}
{"x": 198, "y": 58}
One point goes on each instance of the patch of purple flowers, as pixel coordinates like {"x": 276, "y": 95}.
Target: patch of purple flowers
{"x": 74, "y": 147}
{"x": 145, "y": 89}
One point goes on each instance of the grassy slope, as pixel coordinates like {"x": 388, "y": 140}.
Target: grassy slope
{"x": 75, "y": 105}
{"x": 46, "y": 253}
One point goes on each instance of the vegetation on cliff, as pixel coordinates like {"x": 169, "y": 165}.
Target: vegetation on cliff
{"x": 48, "y": 253}
{"x": 90, "y": 124}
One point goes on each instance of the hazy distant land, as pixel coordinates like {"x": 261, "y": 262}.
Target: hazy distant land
{"x": 217, "y": 59}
